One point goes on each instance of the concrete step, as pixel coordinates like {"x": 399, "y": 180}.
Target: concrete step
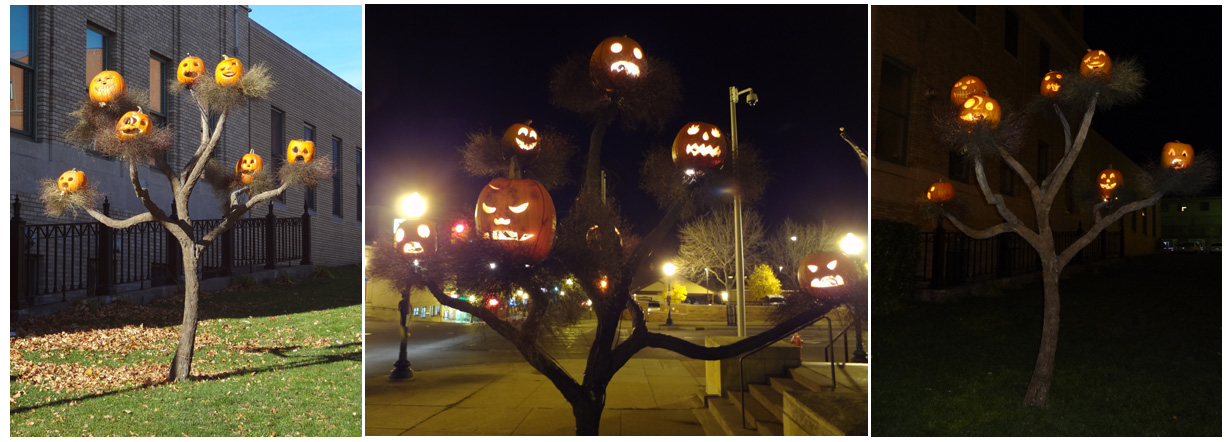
{"x": 769, "y": 398}
{"x": 783, "y": 385}
{"x": 770, "y": 429}
{"x": 816, "y": 376}
{"x": 728, "y": 417}
{"x": 710, "y": 427}
{"x": 754, "y": 411}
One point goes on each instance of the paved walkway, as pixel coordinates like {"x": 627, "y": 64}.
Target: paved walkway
{"x": 647, "y": 397}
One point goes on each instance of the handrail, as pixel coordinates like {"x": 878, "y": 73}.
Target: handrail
{"x": 741, "y": 361}
{"x": 828, "y": 353}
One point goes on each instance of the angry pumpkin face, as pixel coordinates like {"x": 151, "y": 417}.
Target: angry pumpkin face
{"x": 617, "y": 63}
{"x": 698, "y": 147}
{"x": 518, "y": 214}
{"x": 821, "y": 271}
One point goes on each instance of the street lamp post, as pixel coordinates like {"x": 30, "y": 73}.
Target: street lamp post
{"x": 853, "y": 246}
{"x": 669, "y": 269}
{"x": 414, "y": 206}
{"x": 738, "y": 241}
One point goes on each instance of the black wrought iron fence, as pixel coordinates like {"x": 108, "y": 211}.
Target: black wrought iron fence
{"x": 949, "y": 258}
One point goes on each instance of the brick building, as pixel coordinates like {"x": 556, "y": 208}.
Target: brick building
{"x": 68, "y": 45}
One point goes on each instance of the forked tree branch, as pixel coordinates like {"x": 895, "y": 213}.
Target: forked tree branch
{"x": 1052, "y": 184}
{"x": 236, "y": 213}
{"x": 120, "y": 224}
{"x": 998, "y": 201}
{"x": 1100, "y": 224}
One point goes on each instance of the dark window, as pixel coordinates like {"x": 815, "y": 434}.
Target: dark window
{"x": 308, "y": 134}
{"x": 959, "y": 166}
{"x": 278, "y": 143}
{"x": 158, "y": 68}
{"x": 1011, "y": 32}
{"x": 1041, "y": 166}
{"x": 97, "y": 52}
{"x": 337, "y": 209}
{"x": 21, "y": 69}
{"x": 1144, "y": 221}
{"x": 358, "y": 180}
{"x": 967, "y": 11}
{"x": 1204, "y": 206}
{"x": 1134, "y": 221}
{"x": 1044, "y": 58}
{"x": 1166, "y": 206}
{"x": 1006, "y": 178}
{"x": 894, "y": 112}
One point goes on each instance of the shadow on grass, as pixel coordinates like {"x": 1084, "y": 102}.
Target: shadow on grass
{"x": 354, "y": 355}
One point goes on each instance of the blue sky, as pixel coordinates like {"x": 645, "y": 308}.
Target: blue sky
{"x": 330, "y": 35}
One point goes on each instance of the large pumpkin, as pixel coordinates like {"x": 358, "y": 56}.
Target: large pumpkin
{"x": 132, "y": 125}
{"x": 247, "y": 166}
{"x": 72, "y": 181}
{"x": 521, "y": 138}
{"x": 416, "y": 238}
{"x": 518, "y": 214}
{"x": 106, "y": 87}
{"x": 965, "y": 87}
{"x": 979, "y": 108}
{"x": 821, "y": 271}
{"x": 1108, "y": 180}
{"x": 1051, "y": 84}
{"x": 229, "y": 71}
{"x": 940, "y": 191}
{"x": 1096, "y": 64}
{"x": 617, "y": 63}
{"x": 698, "y": 147}
{"x": 190, "y": 70}
{"x": 1176, "y": 155}
{"x": 300, "y": 151}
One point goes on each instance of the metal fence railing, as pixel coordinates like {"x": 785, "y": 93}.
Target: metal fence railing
{"x": 950, "y": 258}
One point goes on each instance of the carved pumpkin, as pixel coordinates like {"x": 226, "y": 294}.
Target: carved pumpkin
{"x": 698, "y": 147}
{"x": 229, "y": 71}
{"x": 72, "y": 181}
{"x": 300, "y": 151}
{"x": 617, "y": 63}
{"x": 521, "y": 138}
{"x": 1176, "y": 155}
{"x": 416, "y": 239}
{"x": 1096, "y": 64}
{"x": 1108, "y": 180}
{"x": 132, "y": 125}
{"x": 1051, "y": 84}
{"x": 941, "y": 191}
{"x": 518, "y": 214}
{"x": 247, "y": 166}
{"x": 106, "y": 87}
{"x": 190, "y": 69}
{"x": 822, "y": 270}
{"x": 979, "y": 108}
{"x": 965, "y": 87}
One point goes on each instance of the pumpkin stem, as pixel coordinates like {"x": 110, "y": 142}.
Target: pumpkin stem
{"x": 513, "y": 170}
{"x": 224, "y": 56}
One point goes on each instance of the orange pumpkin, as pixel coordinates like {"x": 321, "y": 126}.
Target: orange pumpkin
{"x": 300, "y": 151}
{"x": 967, "y": 86}
{"x": 698, "y": 147}
{"x": 1051, "y": 84}
{"x": 617, "y": 63}
{"x": 821, "y": 271}
{"x": 1176, "y": 155}
{"x": 1108, "y": 180}
{"x": 1096, "y": 64}
{"x": 518, "y": 214}
{"x": 247, "y": 166}
{"x": 72, "y": 181}
{"x": 106, "y": 87}
{"x": 941, "y": 191}
{"x": 229, "y": 71}
{"x": 418, "y": 240}
{"x": 132, "y": 125}
{"x": 979, "y": 108}
{"x": 521, "y": 138}
{"x": 190, "y": 69}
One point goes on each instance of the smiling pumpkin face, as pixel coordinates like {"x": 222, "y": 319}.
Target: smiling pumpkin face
{"x": 698, "y": 147}
{"x": 821, "y": 271}
{"x": 521, "y": 138}
{"x": 133, "y": 124}
{"x": 1096, "y": 64}
{"x": 617, "y": 63}
{"x": 106, "y": 87}
{"x": 1108, "y": 180}
{"x": 965, "y": 87}
{"x": 518, "y": 214}
{"x": 229, "y": 71}
{"x": 247, "y": 166}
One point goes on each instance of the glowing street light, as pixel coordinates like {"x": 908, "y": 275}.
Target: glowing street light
{"x": 414, "y": 205}
{"x": 851, "y": 245}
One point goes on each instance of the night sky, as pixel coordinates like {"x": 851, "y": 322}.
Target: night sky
{"x": 434, "y": 74}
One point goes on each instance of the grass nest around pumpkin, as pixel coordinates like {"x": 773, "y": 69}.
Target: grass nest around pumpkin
{"x": 486, "y": 155}
{"x": 140, "y": 150}
{"x": 57, "y": 202}
{"x": 666, "y": 182}
{"x": 650, "y": 105}
{"x": 224, "y": 181}
{"x": 307, "y": 174}
{"x": 255, "y": 83}
{"x": 979, "y": 140}
{"x": 1190, "y": 181}
{"x": 94, "y": 117}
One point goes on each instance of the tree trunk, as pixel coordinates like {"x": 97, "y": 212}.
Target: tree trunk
{"x": 181, "y": 367}
{"x": 587, "y": 413}
{"x": 1040, "y": 381}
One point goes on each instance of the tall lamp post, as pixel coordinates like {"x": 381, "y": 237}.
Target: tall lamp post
{"x": 853, "y": 246}
{"x": 669, "y": 269}
{"x": 414, "y": 207}
{"x": 739, "y": 240}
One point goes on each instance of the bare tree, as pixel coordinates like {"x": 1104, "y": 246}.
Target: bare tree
{"x": 707, "y": 243}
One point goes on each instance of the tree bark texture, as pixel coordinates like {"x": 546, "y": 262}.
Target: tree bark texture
{"x": 1044, "y": 366}
{"x": 180, "y": 368}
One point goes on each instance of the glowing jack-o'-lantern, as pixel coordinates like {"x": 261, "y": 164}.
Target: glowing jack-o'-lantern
{"x": 821, "y": 271}
{"x": 247, "y": 166}
{"x": 965, "y": 87}
{"x": 415, "y": 238}
{"x": 698, "y": 147}
{"x": 107, "y": 86}
{"x": 940, "y": 191}
{"x": 300, "y": 151}
{"x": 1176, "y": 155}
{"x": 1096, "y": 64}
{"x": 522, "y": 138}
{"x": 979, "y": 108}
{"x": 229, "y": 71}
{"x": 617, "y": 63}
{"x": 133, "y": 124}
{"x": 190, "y": 69}
{"x": 518, "y": 214}
{"x": 1108, "y": 180}
{"x": 1051, "y": 84}
{"x": 72, "y": 181}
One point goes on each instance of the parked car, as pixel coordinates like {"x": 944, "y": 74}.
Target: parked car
{"x": 1215, "y": 247}
{"x": 1189, "y": 247}
{"x": 772, "y": 299}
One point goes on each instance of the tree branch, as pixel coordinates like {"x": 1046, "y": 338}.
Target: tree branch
{"x": 695, "y": 351}
{"x": 976, "y": 233}
{"x": 996, "y": 200}
{"x": 1052, "y": 184}
{"x": 1100, "y": 224}
{"x": 196, "y": 164}
{"x": 143, "y": 193}
{"x": 236, "y": 213}
{"x": 117, "y": 224}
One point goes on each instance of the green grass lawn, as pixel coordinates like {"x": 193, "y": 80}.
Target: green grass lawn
{"x": 280, "y": 360}
{"x": 1139, "y": 355}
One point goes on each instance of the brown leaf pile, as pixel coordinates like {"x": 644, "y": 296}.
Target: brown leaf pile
{"x": 77, "y": 377}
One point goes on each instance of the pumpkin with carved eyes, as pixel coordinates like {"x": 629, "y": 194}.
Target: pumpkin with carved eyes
{"x": 1096, "y": 64}
{"x": 1051, "y": 84}
{"x": 521, "y": 138}
{"x": 132, "y": 125}
{"x": 965, "y": 87}
{"x": 821, "y": 271}
{"x": 698, "y": 147}
{"x": 300, "y": 151}
{"x": 190, "y": 69}
{"x": 106, "y": 87}
{"x": 229, "y": 71}
{"x": 247, "y": 166}
{"x": 1176, "y": 155}
{"x": 416, "y": 238}
{"x": 979, "y": 108}
{"x": 72, "y": 181}
{"x": 1108, "y": 180}
{"x": 519, "y": 215}
{"x": 940, "y": 191}
{"x": 617, "y": 63}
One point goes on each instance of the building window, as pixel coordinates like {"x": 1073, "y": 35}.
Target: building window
{"x": 967, "y": 11}
{"x": 1144, "y": 221}
{"x": 157, "y": 88}
{"x": 959, "y": 166}
{"x": 278, "y": 143}
{"x": 337, "y": 209}
{"x": 358, "y": 180}
{"x": 1011, "y": 32}
{"x": 308, "y": 134}
{"x": 1204, "y": 206}
{"x": 1041, "y": 170}
{"x": 21, "y": 69}
{"x": 97, "y": 52}
{"x": 1134, "y": 221}
{"x": 894, "y": 112}
{"x": 1006, "y": 178}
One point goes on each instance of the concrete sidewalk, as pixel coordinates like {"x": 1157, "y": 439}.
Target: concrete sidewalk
{"x": 647, "y": 397}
